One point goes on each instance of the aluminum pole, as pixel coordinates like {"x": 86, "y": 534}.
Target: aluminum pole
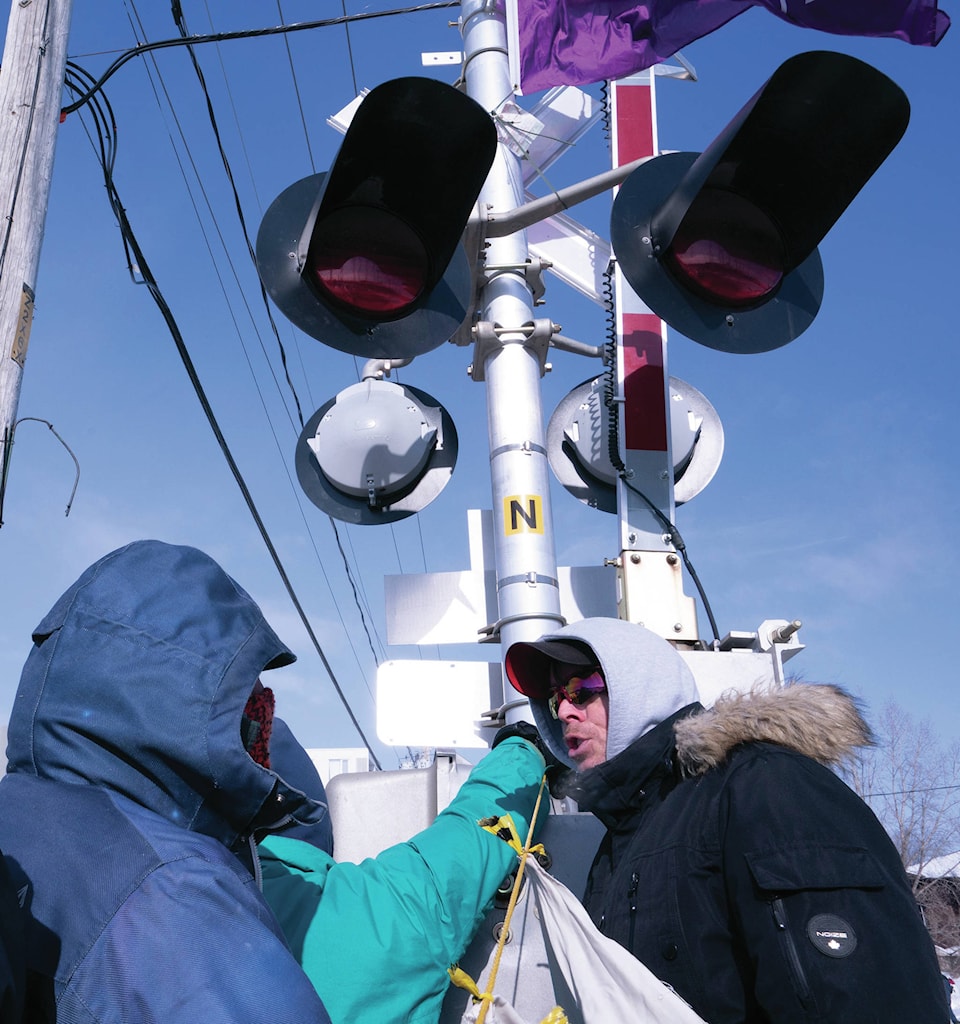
{"x": 510, "y": 359}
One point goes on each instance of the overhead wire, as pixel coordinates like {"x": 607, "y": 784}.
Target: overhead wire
{"x": 178, "y": 15}
{"x": 214, "y": 262}
{"x": 236, "y": 116}
{"x": 346, "y": 30}
{"x": 209, "y": 206}
{"x": 228, "y": 170}
{"x": 75, "y": 80}
{"x": 356, "y": 583}
{"x": 220, "y": 37}
{"x": 296, "y": 86}
{"x": 909, "y": 792}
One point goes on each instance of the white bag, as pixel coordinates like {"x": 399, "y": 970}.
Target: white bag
{"x": 500, "y": 1012}
{"x": 595, "y": 979}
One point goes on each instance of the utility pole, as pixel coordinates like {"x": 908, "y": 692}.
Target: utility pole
{"x": 31, "y": 83}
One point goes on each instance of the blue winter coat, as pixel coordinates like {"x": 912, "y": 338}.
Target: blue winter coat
{"x": 130, "y": 806}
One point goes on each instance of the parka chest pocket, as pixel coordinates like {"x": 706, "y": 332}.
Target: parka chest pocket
{"x": 643, "y": 913}
{"x": 812, "y": 901}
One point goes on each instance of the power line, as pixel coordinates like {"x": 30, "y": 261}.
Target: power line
{"x": 346, "y": 29}
{"x": 296, "y": 87}
{"x": 228, "y": 170}
{"x": 907, "y": 792}
{"x": 133, "y": 247}
{"x": 263, "y": 294}
{"x": 221, "y": 37}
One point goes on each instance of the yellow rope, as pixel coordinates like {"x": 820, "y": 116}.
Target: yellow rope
{"x": 487, "y": 996}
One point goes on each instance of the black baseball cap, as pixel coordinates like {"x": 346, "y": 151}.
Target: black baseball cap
{"x": 528, "y": 664}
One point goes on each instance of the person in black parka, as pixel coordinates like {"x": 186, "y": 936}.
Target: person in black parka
{"x": 737, "y": 866}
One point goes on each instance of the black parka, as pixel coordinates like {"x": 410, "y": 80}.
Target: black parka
{"x": 749, "y": 877}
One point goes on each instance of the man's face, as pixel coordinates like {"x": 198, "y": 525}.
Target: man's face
{"x": 579, "y": 700}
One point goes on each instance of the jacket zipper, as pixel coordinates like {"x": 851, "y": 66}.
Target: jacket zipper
{"x": 790, "y": 948}
{"x": 257, "y": 872}
{"x": 632, "y": 895}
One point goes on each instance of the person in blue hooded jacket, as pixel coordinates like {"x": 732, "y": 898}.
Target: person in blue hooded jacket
{"x": 145, "y": 765}
{"x": 132, "y": 801}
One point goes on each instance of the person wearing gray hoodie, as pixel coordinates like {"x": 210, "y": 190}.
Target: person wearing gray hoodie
{"x": 737, "y": 865}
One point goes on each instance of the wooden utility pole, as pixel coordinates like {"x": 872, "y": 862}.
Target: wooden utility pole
{"x": 31, "y": 84}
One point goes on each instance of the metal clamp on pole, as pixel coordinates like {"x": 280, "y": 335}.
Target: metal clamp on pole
{"x": 536, "y": 335}
{"x": 496, "y": 717}
{"x": 491, "y": 634}
{"x": 532, "y": 270}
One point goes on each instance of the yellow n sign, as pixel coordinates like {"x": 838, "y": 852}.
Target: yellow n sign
{"x": 522, "y": 513}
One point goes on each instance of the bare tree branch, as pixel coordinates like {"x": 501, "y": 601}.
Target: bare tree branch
{"x": 911, "y": 780}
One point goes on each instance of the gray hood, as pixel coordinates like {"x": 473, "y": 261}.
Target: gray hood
{"x": 647, "y": 681}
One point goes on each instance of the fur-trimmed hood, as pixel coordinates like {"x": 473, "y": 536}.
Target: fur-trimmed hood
{"x": 821, "y": 722}
{"x": 818, "y": 720}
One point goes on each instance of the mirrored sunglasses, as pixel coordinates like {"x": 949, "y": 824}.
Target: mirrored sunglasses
{"x": 578, "y": 689}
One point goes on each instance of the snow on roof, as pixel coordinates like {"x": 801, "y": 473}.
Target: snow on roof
{"x": 947, "y": 866}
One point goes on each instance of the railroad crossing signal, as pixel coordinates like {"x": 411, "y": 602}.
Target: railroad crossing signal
{"x": 723, "y": 244}
{"x": 367, "y": 257}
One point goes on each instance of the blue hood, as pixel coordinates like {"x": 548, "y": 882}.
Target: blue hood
{"x": 293, "y": 762}
{"x": 137, "y": 683}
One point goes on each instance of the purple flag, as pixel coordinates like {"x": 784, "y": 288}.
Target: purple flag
{"x": 573, "y": 42}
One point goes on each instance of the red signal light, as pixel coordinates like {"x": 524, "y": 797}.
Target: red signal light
{"x": 727, "y": 250}
{"x": 368, "y": 261}
{"x": 367, "y": 256}
{"x": 722, "y": 244}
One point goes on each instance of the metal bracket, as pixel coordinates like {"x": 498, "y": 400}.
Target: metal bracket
{"x": 496, "y": 717}
{"x": 532, "y": 270}
{"x": 536, "y": 335}
{"x": 491, "y": 634}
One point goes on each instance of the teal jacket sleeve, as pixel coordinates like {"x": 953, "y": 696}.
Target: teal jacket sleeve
{"x": 376, "y": 938}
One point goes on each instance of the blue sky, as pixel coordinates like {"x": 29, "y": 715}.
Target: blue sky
{"x": 837, "y": 499}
